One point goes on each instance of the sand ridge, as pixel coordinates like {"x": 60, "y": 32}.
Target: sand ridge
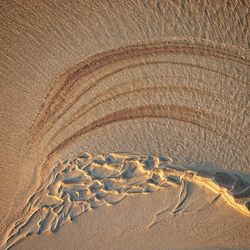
{"x": 154, "y": 77}
{"x": 91, "y": 181}
{"x": 90, "y": 97}
{"x": 73, "y": 85}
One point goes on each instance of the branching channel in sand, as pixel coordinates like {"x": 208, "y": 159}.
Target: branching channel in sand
{"x": 91, "y": 181}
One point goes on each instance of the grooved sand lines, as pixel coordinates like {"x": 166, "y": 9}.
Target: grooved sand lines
{"x": 165, "y": 94}
{"x": 97, "y": 100}
{"x": 173, "y": 80}
{"x": 156, "y": 111}
{"x": 106, "y": 64}
{"x": 91, "y": 181}
{"x": 92, "y": 85}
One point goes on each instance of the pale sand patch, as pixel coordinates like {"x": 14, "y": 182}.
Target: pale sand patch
{"x": 88, "y": 182}
{"x": 124, "y": 226}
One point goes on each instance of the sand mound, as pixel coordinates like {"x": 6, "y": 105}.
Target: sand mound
{"x": 88, "y": 182}
{"x": 148, "y": 77}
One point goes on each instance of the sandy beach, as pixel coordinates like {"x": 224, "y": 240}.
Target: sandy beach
{"x": 124, "y": 125}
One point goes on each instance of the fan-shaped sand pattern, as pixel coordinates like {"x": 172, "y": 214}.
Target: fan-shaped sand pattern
{"x": 138, "y": 85}
{"x": 141, "y": 79}
{"x": 88, "y": 182}
{"x": 128, "y": 57}
{"x": 69, "y": 98}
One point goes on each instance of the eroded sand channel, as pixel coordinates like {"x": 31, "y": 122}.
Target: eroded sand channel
{"x": 91, "y": 181}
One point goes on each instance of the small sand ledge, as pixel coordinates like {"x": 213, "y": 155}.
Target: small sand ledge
{"x": 90, "y": 181}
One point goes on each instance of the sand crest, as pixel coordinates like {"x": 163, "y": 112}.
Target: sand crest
{"x": 146, "y": 78}
{"x": 91, "y": 181}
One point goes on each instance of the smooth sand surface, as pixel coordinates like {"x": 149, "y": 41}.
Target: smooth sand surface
{"x": 138, "y": 77}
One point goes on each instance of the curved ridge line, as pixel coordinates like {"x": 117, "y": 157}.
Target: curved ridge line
{"x": 138, "y": 90}
{"x": 93, "y": 85}
{"x": 49, "y": 114}
{"x": 172, "y": 111}
{"x": 85, "y": 182}
{"x": 92, "y": 63}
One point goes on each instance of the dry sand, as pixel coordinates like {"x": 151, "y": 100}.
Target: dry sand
{"x": 138, "y": 78}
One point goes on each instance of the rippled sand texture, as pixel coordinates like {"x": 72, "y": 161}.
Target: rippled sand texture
{"x": 91, "y": 96}
{"x": 88, "y": 182}
{"x": 140, "y": 77}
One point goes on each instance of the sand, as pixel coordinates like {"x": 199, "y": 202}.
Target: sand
{"x": 88, "y": 182}
{"x": 148, "y": 79}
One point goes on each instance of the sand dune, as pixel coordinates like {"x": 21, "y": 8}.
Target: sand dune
{"x": 88, "y": 182}
{"x": 145, "y": 80}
